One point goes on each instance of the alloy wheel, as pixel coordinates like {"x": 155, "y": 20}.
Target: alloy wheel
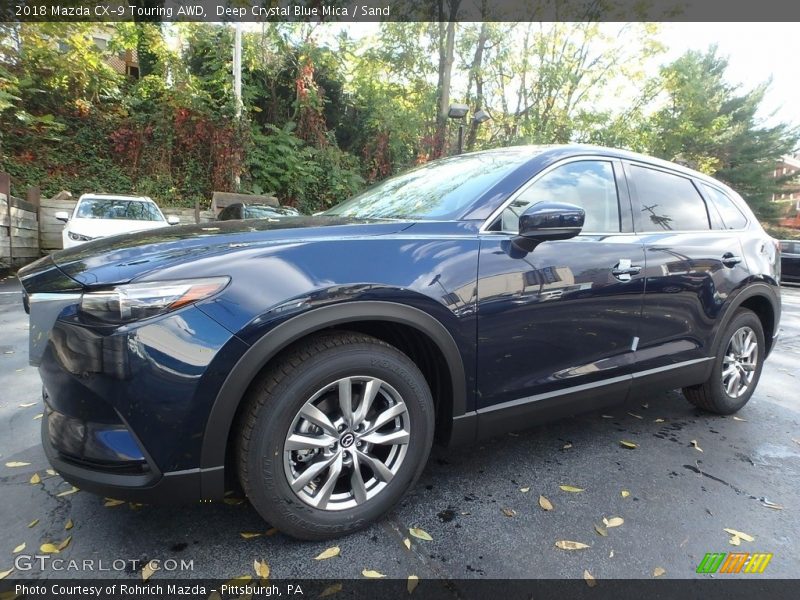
{"x": 346, "y": 443}
{"x": 739, "y": 362}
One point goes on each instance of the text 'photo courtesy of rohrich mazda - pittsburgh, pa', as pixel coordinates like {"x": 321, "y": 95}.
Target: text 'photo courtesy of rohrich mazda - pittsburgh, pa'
{"x": 425, "y": 296}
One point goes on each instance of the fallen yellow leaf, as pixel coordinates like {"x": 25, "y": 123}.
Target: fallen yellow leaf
{"x": 566, "y": 446}
{"x": 746, "y": 537}
{"x": 331, "y": 590}
{"x": 658, "y": 572}
{"x": 329, "y": 553}
{"x": 571, "y": 488}
{"x": 39, "y": 416}
{"x": 249, "y": 534}
{"x": 27, "y": 404}
{"x": 735, "y": 418}
{"x": 628, "y": 445}
{"x": 635, "y": 415}
{"x": 4, "y": 574}
{"x": 659, "y": 420}
{"x": 695, "y": 445}
{"x": 735, "y": 540}
{"x": 68, "y": 492}
{"x": 601, "y": 530}
{"x": 570, "y": 545}
{"x": 69, "y": 525}
{"x": 420, "y": 534}
{"x": 50, "y": 472}
{"x": 509, "y": 512}
{"x": 261, "y": 568}
{"x": 48, "y": 549}
{"x": 625, "y": 493}
{"x": 589, "y": 578}
{"x": 19, "y": 548}
{"x": 407, "y": 543}
{"x": 372, "y": 574}
{"x": 65, "y": 543}
{"x": 33, "y": 523}
{"x": 112, "y": 502}
{"x": 613, "y": 521}
{"x": 413, "y": 582}
{"x": 15, "y": 463}
{"x": 148, "y": 570}
{"x": 35, "y": 479}
{"x": 525, "y": 490}
{"x": 545, "y": 503}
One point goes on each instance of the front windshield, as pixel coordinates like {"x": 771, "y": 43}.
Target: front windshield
{"x": 109, "y": 208}
{"x": 441, "y": 189}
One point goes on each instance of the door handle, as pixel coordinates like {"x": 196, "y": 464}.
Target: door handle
{"x": 729, "y": 259}
{"x": 624, "y": 269}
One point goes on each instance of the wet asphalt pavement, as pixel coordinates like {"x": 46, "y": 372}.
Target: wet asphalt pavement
{"x": 680, "y": 498}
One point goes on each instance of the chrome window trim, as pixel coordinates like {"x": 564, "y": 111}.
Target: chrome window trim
{"x": 524, "y": 187}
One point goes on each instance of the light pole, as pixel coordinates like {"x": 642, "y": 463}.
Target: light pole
{"x": 459, "y": 111}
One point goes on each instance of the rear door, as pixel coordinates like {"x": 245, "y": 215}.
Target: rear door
{"x": 694, "y": 261}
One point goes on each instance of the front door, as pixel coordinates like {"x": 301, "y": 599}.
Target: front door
{"x": 563, "y": 317}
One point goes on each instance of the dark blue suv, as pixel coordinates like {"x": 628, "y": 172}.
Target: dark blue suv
{"x": 314, "y": 360}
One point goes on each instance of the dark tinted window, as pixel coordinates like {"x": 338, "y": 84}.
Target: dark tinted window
{"x": 589, "y": 184}
{"x": 731, "y": 215}
{"x": 669, "y": 202}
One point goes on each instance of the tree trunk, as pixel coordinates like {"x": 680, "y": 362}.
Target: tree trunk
{"x": 477, "y": 76}
{"x": 447, "y": 35}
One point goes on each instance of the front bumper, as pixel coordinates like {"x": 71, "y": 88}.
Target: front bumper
{"x": 151, "y": 487}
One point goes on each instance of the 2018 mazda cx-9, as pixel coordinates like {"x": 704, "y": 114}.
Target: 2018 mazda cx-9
{"x": 316, "y": 359}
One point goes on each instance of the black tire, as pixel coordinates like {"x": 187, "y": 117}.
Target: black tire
{"x": 712, "y": 395}
{"x": 275, "y": 400}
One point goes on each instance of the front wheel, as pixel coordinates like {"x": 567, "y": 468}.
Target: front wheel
{"x": 334, "y": 434}
{"x": 737, "y": 367}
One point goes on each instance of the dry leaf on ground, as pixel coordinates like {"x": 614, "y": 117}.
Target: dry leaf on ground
{"x": 19, "y": 548}
{"x": 65, "y": 543}
{"x": 695, "y": 445}
{"x": 112, "y": 502}
{"x": 509, "y": 512}
{"x": 525, "y": 490}
{"x": 369, "y": 573}
{"x": 570, "y": 545}
{"x": 571, "y": 488}
{"x": 420, "y": 534}
{"x": 745, "y": 536}
{"x": 331, "y": 590}
{"x": 545, "y": 503}
{"x": 625, "y": 493}
{"x": 628, "y": 445}
{"x": 15, "y": 463}
{"x": 148, "y": 570}
{"x": 566, "y": 446}
{"x": 613, "y": 521}
{"x": 413, "y": 582}
{"x": 589, "y": 578}
{"x": 248, "y": 535}
{"x": 4, "y": 574}
{"x": 407, "y": 543}
{"x": 33, "y": 523}
{"x": 329, "y": 553}
{"x": 69, "y": 525}
{"x": 601, "y": 530}
{"x": 658, "y": 572}
{"x": 72, "y": 490}
{"x": 35, "y": 479}
{"x": 735, "y": 418}
{"x": 635, "y": 415}
{"x": 27, "y": 404}
{"x": 48, "y": 548}
{"x": 261, "y": 568}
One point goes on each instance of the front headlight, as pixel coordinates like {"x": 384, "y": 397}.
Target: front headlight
{"x": 78, "y": 237}
{"x": 136, "y": 301}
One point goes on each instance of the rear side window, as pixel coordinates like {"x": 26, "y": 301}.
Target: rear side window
{"x": 669, "y": 202}
{"x": 732, "y": 217}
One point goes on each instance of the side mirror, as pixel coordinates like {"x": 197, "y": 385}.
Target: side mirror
{"x": 173, "y": 220}
{"x": 62, "y": 215}
{"x": 551, "y": 221}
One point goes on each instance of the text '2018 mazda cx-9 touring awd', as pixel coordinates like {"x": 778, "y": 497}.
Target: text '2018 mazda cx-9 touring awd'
{"x": 315, "y": 359}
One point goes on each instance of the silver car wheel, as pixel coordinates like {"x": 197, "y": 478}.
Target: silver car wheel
{"x": 739, "y": 362}
{"x": 346, "y": 443}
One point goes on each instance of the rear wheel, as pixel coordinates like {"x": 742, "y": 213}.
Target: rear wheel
{"x": 737, "y": 368}
{"x": 334, "y": 434}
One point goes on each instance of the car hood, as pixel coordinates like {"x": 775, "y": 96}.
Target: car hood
{"x": 121, "y": 258}
{"x": 97, "y": 228}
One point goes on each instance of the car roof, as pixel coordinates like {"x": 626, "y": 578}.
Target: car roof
{"x": 543, "y": 152}
{"x": 98, "y": 196}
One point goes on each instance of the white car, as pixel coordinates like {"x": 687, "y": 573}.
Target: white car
{"x": 101, "y": 215}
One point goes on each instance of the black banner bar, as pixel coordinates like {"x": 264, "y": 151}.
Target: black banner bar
{"x": 354, "y": 11}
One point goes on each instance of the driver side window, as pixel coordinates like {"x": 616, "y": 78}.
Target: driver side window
{"x": 589, "y": 184}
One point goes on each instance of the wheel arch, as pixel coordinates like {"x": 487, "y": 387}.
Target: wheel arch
{"x": 378, "y": 318}
{"x": 761, "y": 299}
